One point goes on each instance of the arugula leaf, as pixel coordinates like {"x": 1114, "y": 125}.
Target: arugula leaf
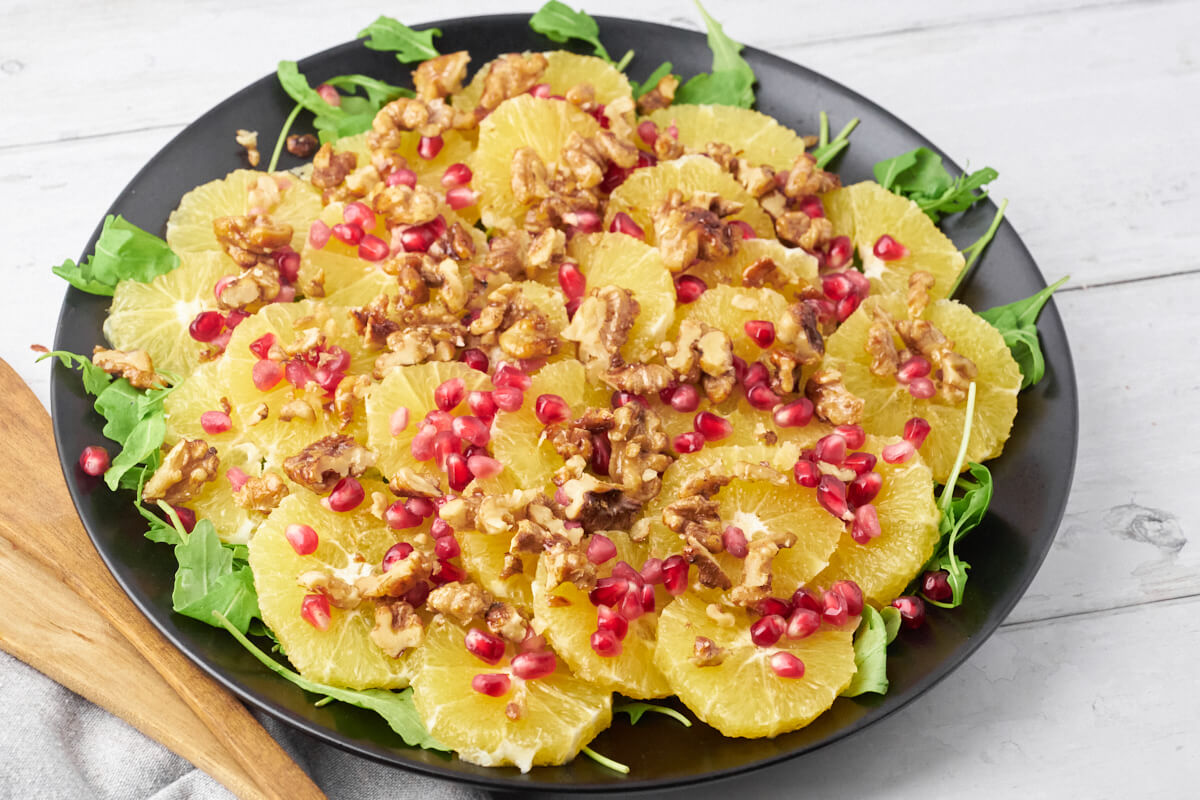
{"x": 660, "y": 72}
{"x": 920, "y": 176}
{"x": 974, "y": 251}
{"x": 870, "y": 655}
{"x": 891, "y": 621}
{"x": 206, "y": 580}
{"x": 636, "y": 710}
{"x": 731, "y": 81}
{"x": 95, "y": 380}
{"x": 1017, "y": 323}
{"x": 142, "y": 442}
{"x": 123, "y": 252}
{"x": 558, "y": 23}
{"x": 353, "y": 116}
{"x": 390, "y": 35}
{"x": 396, "y": 708}
{"x": 605, "y": 761}
{"x": 161, "y": 530}
{"x": 961, "y": 515}
{"x": 826, "y": 149}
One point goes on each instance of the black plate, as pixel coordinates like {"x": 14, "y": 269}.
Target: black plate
{"x": 1032, "y": 478}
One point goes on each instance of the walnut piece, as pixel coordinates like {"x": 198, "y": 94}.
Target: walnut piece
{"x": 919, "y": 284}
{"x": 397, "y": 628}
{"x": 330, "y": 168}
{"x": 302, "y": 145}
{"x": 400, "y": 577}
{"x": 510, "y": 75}
{"x": 441, "y": 76}
{"x": 261, "y": 494}
{"x": 799, "y": 330}
{"x": 832, "y": 401}
{"x": 250, "y": 291}
{"x": 320, "y": 465}
{"x": 460, "y": 601}
{"x": 341, "y": 594}
{"x": 249, "y": 140}
{"x": 251, "y": 239}
{"x": 528, "y": 177}
{"x": 706, "y": 653}
{"x": 184, "y": 470}
{"x": 687, "y": 232}
{"x": 806, "y": 178}
{"x": 709, "y": 572}
{"x": 406, "y": 205}
{"x": 135, "y": 366}
{"x": 661, "y": 96}
{"x": 755, "y": 585}
{"x": 506, "y": 620}
{"x": 881, "y": 346}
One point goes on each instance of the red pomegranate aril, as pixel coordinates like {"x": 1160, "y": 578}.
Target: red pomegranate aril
{"x": 397, "y": 552}
{"x": 756, "y": 373}
{"x": 329, "y": 94}
{"x": 346, "y": 495}
{"x": 429, "y": 147}
{"x": 585, "y": 221}
{"x": 915, "y": 431}
{"x": 630, "y": 606}
{"x": 739, "y": 369}
{"x": 444, "y": 445}
{"x": 471, "y": 429}
{"x": 235, "y": 318}
{"x": 847, "y": 306}
{"x": 609, "y": 620}
{"x": 831, "y": 494}
{"x": 761, "y": 332}
{"x": 484, "y": 467}
{"x": 457, "y": 472}
{"x": 261, "y": 347}
{"x": 685, "y": 398}
{"x": 836, "y": 286}
{"x": 348, "y": 234}
{"x": 608, "y": 591}
{"x": 482, "y": 405}
{"x": 839, "y": 253}
{"x": 417, "y": 594}
{"x": 806, "y": 473}
{"x": 623, "y": 569}
{"x": 402, "y": 177}
{"x": 541, "y": 91}
{"x": 318, "y": 234}
{"x": 416, "y": 239}
{"x": 606, "y": 644}
{"x": 314, "y": 609}
{"x": 811, "y": 205}
{"x": 288, "y": 262}
{"x": 648, "y": 132}
{"x": 531, "y": 666}
{"x": 601, "y": 453}
{"x": 302, "y": 538}
{"x": 652, "y": 572}
{"x": 899, "y": 452}
{"x": 734, "y": 540}
{"x": 266, "y": 374}
{"x": 440, "y": 420}
{"x": 866, "y": 524}
{"x": 687, "y": 442}
{"x": 487, "y": 647}
{"x": 299, "y": 373}
{"x": 675, "y": 574}
{"x": 786, "y": 665}
{"x": 831, "y": 449}
{"x": 400, "y": 518}
{"x": 648, "y": 598}
{"x": 712, "y": 427}
{"x": 215, "y": 422}
{"x": 493, "y": 684}
{"x": 803, "y": 598}
{"x": 206, "y": 326}
{"x": 398, "y": 421}
{"x": 508, "y": 375}
{"x": 237, "y": 478}
{"x": 860, "y": 282}
{"x": 803, "y": 622}
{"x": 440, "y": 528}
{"x": 461, "y": 197}
{"x": 773, "y": 606}
{"x": 766, "y": 631}
{"x": 446, "y": 547}
{"x": 935, "y": 585}
{"x": 854, "y": 435}
{"x": 761, "y": 397}
{"x": 852, "y": 594}
{"x": 623, "y": 223}
{"x": 600, "y": 548}
{"x": 688, "y": 288}
{"x": 888, "y": 249}
{"x": 187, "y": 517}
{"x": 458, "y": 174}
{"x": 508, "y": 398}
{"x": 912, "y": 610}
{"x": 449, "y": 394}
{"x": 448, "y": 572}
{"x": 922, "y": 388}
{"x": 94, "y": 460}
{"x": 550, "y": 408}
{"x": 913, "y": 368}
{"x": 861, "y": 463}
{"x": 834, "y": 609}
{"x": 864, "y": 488}
{"x": 360, "y": 214}
{"x": 795, "y": 414}
{"x": 572, "y": 281}
{"x": 372, "y": 248}
{"x": 622, "y": 398}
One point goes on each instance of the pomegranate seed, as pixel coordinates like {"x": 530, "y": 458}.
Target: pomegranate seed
{"x": 586, "y": 221}
{"x": 803, "y": 598}
{"x": 215, "y": 422}
{"x": 606, "y": 644}
{"x": 495, "y": 684}
{"x": 864, "y": 488}
{"x": 744, "y": 228}
{"x": 448, "y": 573}
{"x": 888, "y": 249}
{"x": 756, "y": 373}
{"x": 912, "y": 610}
{"x": 94, "y": 460}
{"x": 440, "y": 420}
{"x": 712, "y": 427}
{"x": 266, "y": 374}
{"x": 445, "y": 444}
{"x": 625, "y": 570}
{"x": 811, "y": 205}
{"x": 397, "y": 552}
{"x": 422, "y": 443}
{"x": 471, "y": 429}
{"x": 866, "y": 524}
{"x": 482, "y": 405}
{"x": 437, "y": 226}
{"x": 314, "y": 609}
{"x": 774, "y": 605}
{"x": 450, "y": 393}
{"x": 423, "y": 507}
{"x": 652, "y": 572}
{"x": 531, "y": 666}
{"x": 318, "y": 234}
{"x": 688, "y": 288}
{"x": 899, "y": 452}
{"x": 609, "y": 591}
{"x": 446, "y": 547}
{"x": 484, "y": 467}
{"x": 622, "y": 398}
{"x": 372, "y": 248}
{"x": 187, "y": 517}
{"x": 623, "y": 223}
{"x": 852, "y": 594}
{"x": 761, "y": 332}
{"x": 398, "y": 421}
{"x": 601, "y": 453}
{"x": 487, "y": 647}
{"x": 684, "y": 398}
{"x": 550, "y": 408}
{"x": 234, "y": 318}
{"x": 237, "y": 478}
{"x": 457, "y": 472}
{"x": 847, "y": 306}
{"x": 402, "y": 177}
{"x": 400, "y": 518}
{"x": 360, "y": 214}
{"x": 600, "y": 548}
{"x": 417, "y": 594}
{"x": 346, "y": 495}
{"x": 675, "y": 574}
{"x": 861, "y": 283}
{"x": 508, "y": 398}
{"x": 831, "y": 449}
{"x": 803, "y": 622}
{"x": 836, "y": 286}
{"x": 329, "y": 94}
{"x": 739, "y": 369}
{"x": 734, "y": 540}
{"x": 302, "y": 538}
{"x": 831, "y": 494}
{"x": 609, "y": 620}
{"x": 806, "y": 473}
{"x": 854, "y": 435}
{"x": 541, "y": 91}
{"x": 456, "y": 175}
{"x": 631, "y": 607}
{"x": 429, "y": 147}
{"x": 510, "y": 376}
{"x": 922, "y": 388}
{"x": 648, "y": 132}
{"x": 440, "y": 528}
{"x": 839, "y": 253}
{"x": 861, "y": 463}
{"x": 572, "y": 280}
{"x": 461, "y": 197}
{"x": 915, "y": 431}
{"x": 299, "y": 374}
{"x": 687, "y": 442}
{"x": 913, "y": 368}
{"x": 206, "y": 326}
{"x": 786, "y": 665}
{"x": 416, "y": 239}
{"x": 766, "y": 631}
{"x": 936, "y": 586}
{"x": 795, "y": 414}
{"x": 835, "y": 610}
{"x": 261, "y": 347}
{"x": 761, "y": 397}
{"x": 348, "y": 234}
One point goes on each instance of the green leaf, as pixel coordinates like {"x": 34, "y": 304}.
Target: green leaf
{"x": 959, "y": 516}
{"x": 207, "y": 581}
{"x": 353, "y": 116}
{"x": 160, "y": 530}
{"x": 95, "y": 380}
{"x": 828, "y": 149}
{"x": 390, "y": 35}
{"x": 605, "y": 761}
{"x": 920, "y": 176}
{"x": 731, "y": 81}
{"x": 636, "y": 710}
{"x": 123, "y": 252}
{"x": 1017, "y": 323}
{"x": 396, "y": 708}
{"x": 118, "y": 404}
{"x": 870, "y": 655}
{"x": 558, "y": 23}
{"x": 888, "y": 170}
{"x": 144, "y": 440}
{"x": 660, "y": 72}
{"x": 891, "y": 621}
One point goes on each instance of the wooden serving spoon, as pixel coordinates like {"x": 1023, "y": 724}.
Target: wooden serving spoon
{"x": 50, "y": 533}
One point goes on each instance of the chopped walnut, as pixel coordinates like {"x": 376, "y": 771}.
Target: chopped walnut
{"x": 261, "y": 494}
{"x": 397, "y": 628}
{"x": 460, "y": 601}
{"x": 792, "y": 226}
{"x": 250, "y": 291}
{"x": 250, "y": 240}
{"x": 919, "y": 284}
{"x": 135, "y": 366}
{"x": 496, "y": 514}
{"x": 341, "y": 594}
{"x": 621, "y": 117}
{"x": 709, "y": 572}
{"x": 661, "y": 96}
{"x": 706, "y": 653}
{"x": 441, "y": 76}
{"x": 765, "y": 272}
{"x": 755, "y": 584}
{"x": 400, "y": 577}
{"x": 373, "y": 323}
{"x": 249, "y": 140}
{"x": 881, "y": 346}
{"x": 407, "y": 482}
{"x": 299, "y": 408}
{"x": 602, "y": 324}
{"x": 320, "y": 465}
{"x": 302, "y": 145}
{"x": 799, "y": 331}
{"x": 406, "y": 205}
{"x": 546, "y": 251}
{"x": 688, "y": 232}
{"x": 806, "y": 178}
{"x": 507, "y": 259}
{"x": 696, "y": 517}
{"x": 832, "y": 401}
{"x": 349, "y": 391}
{"x": 641, "y": 451}
{"x": 666, "y": 146}
{"x": 184, "y": 470}
{"x": 330, "y": 169}
{"x": 516, "y": 324}
{"x": 505, "y": 620}
{"x": 582, "y": 95}
{"x": 568, "y": 563}
{"x": 587, "y": 159}
{"x": 720, "y": 615}
{"x": 422, "y": 337}
{"x": 721, "y": 153}
{"x": 758, "y": 181}
{"x": 427, "y": 117}
{"x": 528, "y": 177}
{"x": 955, "y": 376}
{"x": 511, "y": 75}
{"x": 784, "y": 372}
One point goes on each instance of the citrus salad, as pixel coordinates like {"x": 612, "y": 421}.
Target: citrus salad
{"x": 547, "y": 386}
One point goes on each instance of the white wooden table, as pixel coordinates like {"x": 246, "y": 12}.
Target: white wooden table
{"x": 1089, "y": 111}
